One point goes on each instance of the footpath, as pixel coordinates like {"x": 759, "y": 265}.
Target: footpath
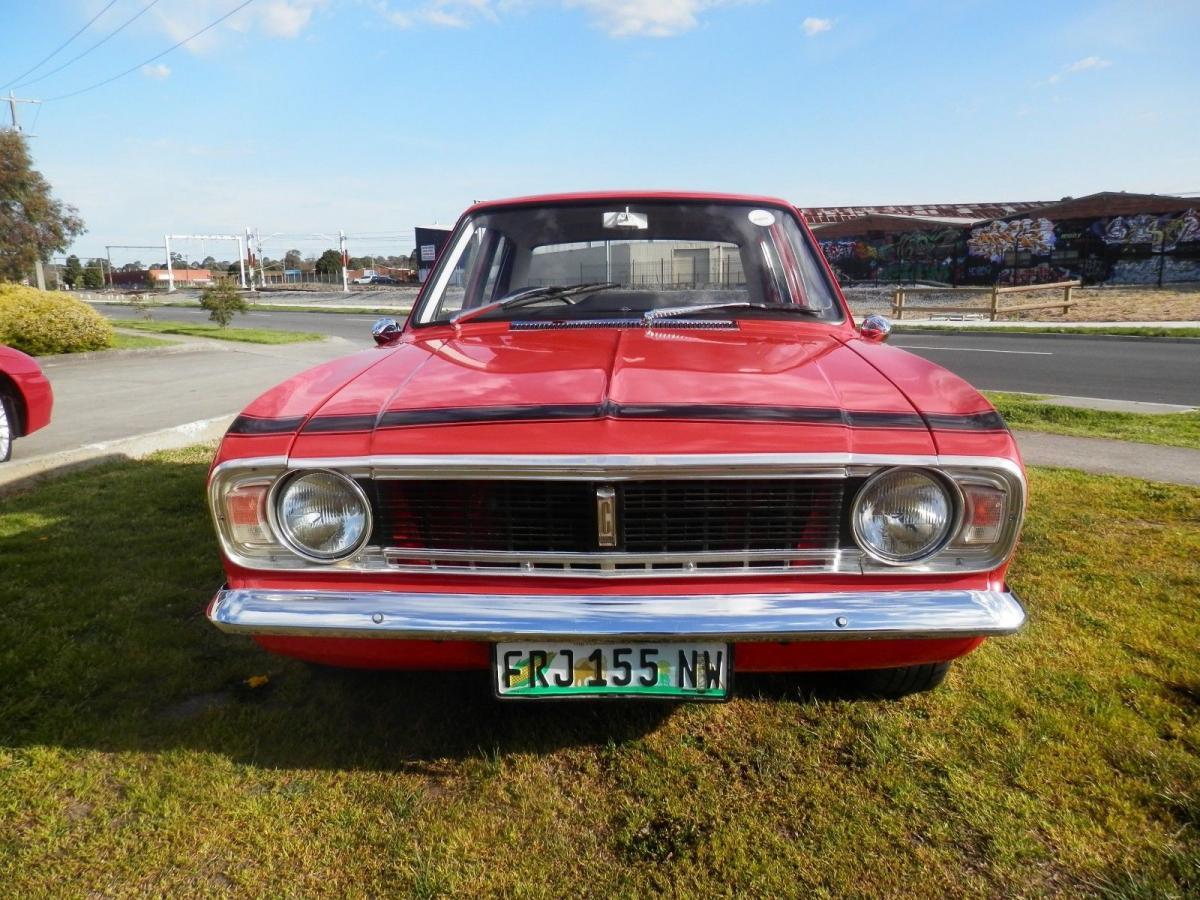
{"x": 122, "y": 404}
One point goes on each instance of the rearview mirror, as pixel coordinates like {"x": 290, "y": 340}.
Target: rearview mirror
{"x": 385, "y": 331}
{"x": 875, "y": 329}
{"x": 627, "y": 219}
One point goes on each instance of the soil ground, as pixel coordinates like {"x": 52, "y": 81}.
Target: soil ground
{"x": 1176, "y": 303}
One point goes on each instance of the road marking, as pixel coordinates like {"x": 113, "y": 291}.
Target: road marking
{"x": 974, "y": 350}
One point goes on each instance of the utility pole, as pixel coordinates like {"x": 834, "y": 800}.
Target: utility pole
{"x": 262, "y": 271}
{"x": 13, "y": 100}
{"x": 345, "y": 262}
{"x": 250, "y": 259}
{"x": 170, "y": 271}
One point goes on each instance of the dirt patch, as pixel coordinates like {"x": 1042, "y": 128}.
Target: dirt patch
{"x": 1177, "y": 303}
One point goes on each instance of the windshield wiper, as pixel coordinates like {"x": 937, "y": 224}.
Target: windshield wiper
{"x": 529, "y": 295}
{"x": 651, "y": 314}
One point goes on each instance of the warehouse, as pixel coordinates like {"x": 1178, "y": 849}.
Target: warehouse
{"x": 1104, "y": 238}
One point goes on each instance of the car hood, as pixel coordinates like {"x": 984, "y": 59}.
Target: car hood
{"x": 761, "y": 387}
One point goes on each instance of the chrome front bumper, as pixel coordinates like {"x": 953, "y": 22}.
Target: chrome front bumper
{"x": 733, "y": 617}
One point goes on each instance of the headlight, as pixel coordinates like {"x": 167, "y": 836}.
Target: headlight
{"x": 903, "y": 515}
{"x": 322, "y": 515}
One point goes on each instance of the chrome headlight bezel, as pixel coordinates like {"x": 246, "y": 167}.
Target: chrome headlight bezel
{"x": 284, "y": 533}
{"x": 951, "y": 527}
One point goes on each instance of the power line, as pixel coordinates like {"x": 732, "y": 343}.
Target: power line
{"x": 158, "y": 56}
{"x": 103, "y": 40}
{"x": 61, "y": 46}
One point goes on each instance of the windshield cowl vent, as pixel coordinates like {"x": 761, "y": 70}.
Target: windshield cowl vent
{"x": 671, "y": 324}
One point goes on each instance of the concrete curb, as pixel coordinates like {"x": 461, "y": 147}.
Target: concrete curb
{"x": 23, "y": 473}
{"x": 178, "y": 345}
{"x": 1099, "y": 456}
{"x": 988, "y": 332}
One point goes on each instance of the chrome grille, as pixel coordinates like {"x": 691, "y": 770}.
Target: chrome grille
{"x": 512, "y": 516}
{"x": 652, "y": 517}
{"x": 700, "y": 516}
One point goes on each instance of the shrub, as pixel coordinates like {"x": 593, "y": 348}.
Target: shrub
{"x": 222, "y": 300}
{"x": 39, "y": 322}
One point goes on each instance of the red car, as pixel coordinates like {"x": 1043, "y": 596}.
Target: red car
{"x": 625, "y": 445}
{"x": 25, "y": 398}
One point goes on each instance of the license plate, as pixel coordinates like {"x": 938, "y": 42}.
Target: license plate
{"x": 532, "y": 670}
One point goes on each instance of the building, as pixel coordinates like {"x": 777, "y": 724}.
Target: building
{"x": 140, "y": 278}
{"x": 1104, "y": 238}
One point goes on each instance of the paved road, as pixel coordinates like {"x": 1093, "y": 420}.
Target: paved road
{"x": 352, "y": 326}
{"x": 105, "y": 398}
{"x": 1146, "y": 371}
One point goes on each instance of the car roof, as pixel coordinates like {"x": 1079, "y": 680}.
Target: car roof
{"x": 631, "y": 196}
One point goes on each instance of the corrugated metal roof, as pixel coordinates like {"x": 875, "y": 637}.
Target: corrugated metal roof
{"x": 823, "y": 215}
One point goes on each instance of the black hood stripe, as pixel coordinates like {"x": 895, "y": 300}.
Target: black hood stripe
{"x": 340, "y": 423}
{"x": 981, "y": 421}
{"x": 259, "y": 425}
{"x": 791, "y": 415}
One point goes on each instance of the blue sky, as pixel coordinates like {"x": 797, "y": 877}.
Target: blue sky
{"x": 373, "y": 115}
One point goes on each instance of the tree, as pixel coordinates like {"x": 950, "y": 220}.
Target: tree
{"x": 222, "y": 300}
{"x": 72, "y": 272}
{"x": 209, "y": 263}
{"x": 292, "y": 259}
{"x": 329, "y": 263}
{"x": 33, "y": 224}
{"x": 93, "y": 275}
{"x": 362, "y": 262}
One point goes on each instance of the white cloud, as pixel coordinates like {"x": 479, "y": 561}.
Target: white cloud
{"x": 619, "y": 18}
{"x": 645, "y": 18}
{"x": 813, "y": 26}
{"x": 1087, "y": 64}
{"x": 157, "y": 71}
{"x": 442, "y": 13}
{"x": 286, "y": 19}
{"x": 277, "y": 18}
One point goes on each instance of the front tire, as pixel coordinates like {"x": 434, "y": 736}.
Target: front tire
{"x": 8, "y": 426}
{"x": 892, "y": 684}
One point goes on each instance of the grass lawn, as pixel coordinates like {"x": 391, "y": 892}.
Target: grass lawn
{"x": 1026, "y": 411}
{"x": 136, "y": 342}
{"x": 245, "y": 335}
{"x": 1129, "y": 331}
{"x": 136, "y": 758}
{"x": 395, "y": 313}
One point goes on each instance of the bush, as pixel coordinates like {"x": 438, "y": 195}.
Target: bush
{"x": 39, "y": 322}
{"x": 222, "y": 300}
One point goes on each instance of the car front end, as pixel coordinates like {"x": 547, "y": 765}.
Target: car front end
{"x": 622, "y": 486}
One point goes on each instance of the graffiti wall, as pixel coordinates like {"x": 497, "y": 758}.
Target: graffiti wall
{"x": 1134, "y": 249}
{"x": 923, "y": 255}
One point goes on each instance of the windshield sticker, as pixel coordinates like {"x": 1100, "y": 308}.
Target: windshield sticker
{"x": 627, "y": 219}
{"x": 762, "y": 217}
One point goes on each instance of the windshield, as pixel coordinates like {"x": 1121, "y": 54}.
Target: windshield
{"x": 603, "y": 259}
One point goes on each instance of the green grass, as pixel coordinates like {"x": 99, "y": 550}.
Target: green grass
{"x": 244, "y": 335}
{"x": 136, "y": 342}
{"x": 135, "y": 758}
{"x": 395, "y": 312}
{"x": 1026, "y": 411}
{"x": 1129, "y": 331}
{"x": 280, "y": 307}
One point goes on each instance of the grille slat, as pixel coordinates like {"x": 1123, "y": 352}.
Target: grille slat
{"x": 670, "y": 516}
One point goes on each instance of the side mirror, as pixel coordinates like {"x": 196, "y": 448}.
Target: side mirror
{"x": 385, "y": 331}
{"x": 875, "y": 329}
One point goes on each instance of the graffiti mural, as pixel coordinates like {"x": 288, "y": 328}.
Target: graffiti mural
{"x": 1151, "y": 269}
{"x": 1164, "y": 232}
{"x": 1128, "y": 249}
{"x": 992, "y": 241}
